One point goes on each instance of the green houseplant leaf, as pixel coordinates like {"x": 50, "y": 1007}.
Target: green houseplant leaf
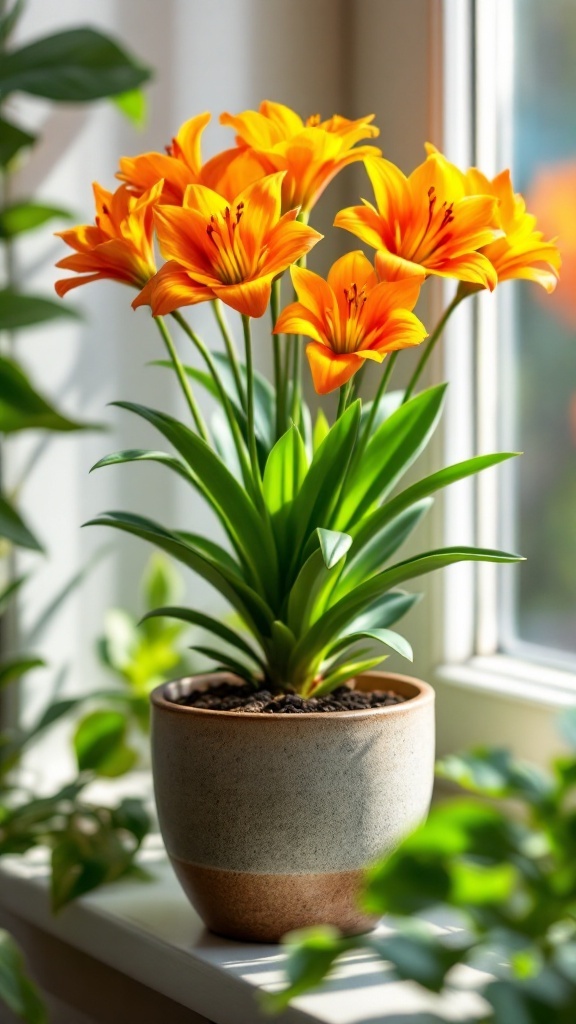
{"x": 23, "y": 408}
{"x": 75, "y": 66}
{"x": 18, "y": 310}
{"x": 17, "y": 990}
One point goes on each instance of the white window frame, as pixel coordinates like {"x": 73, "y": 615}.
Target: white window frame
{"x": 483, "y": 695}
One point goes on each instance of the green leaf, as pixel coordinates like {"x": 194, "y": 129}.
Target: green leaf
{"x": 321, "y": 430}
{"x": 249, "y": 532}
{"x": 494, "y": 772}
{"x": 23, "y": 408}
{"x": 242, "y": 597}
{"x": 417, "y": 956}
{"x": 9, "y": 20}
{"x": 227, "y": 662}
{"x": 99, "y": 744}
{"x": 161, "y": 584}
{"x": 389, "y": 453}
{"x": 418, "y": 874}
{"x": 120, "y": 638}
{"x": 475, "y": 884}
{"x": 311, "y": 954}
{"x": 9, "y": 591}
{"x": 214, "y": 626}
{"x": 12, "y": 140}
{"x": 341, "y": 675}
{"x": 314, "y": 505}
{"x": 133, "y": 105}
{"x": 19, "y": 310}
{"x": 333, "y": 545}
{"x": 285, "y": 471}
{"x": 388, "y": 637}
{"x": 378, "y": 519}
{"x": 14, "y": 529}
{"x": 144, "y": 455}
{"x": 17, "y": 991}
{"x": 389, "y": 402}
{"x": 27, "y": 215}
{"x": 336, "y": 618}
{"x": 375, "y": 551}
{"x": 96, "y": 847}
{"x": 75, "y": 66}
{"x": 13, "y": 668}
{"x": 53, "y": 713}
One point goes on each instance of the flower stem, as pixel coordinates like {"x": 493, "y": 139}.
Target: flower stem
{"x": 250, "y": 399}
{"x": 431, "y": 344}
{"x": 380, "y": 392}
{"x": 226, "y": 405}
{"x": 184, "y": 382}
{"x": 279, "y": 384}
{"x": 230, "y": 350}
{"x": 343, "y": 399}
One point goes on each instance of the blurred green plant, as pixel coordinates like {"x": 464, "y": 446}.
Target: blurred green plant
{"x": 141, "y": 655}
{"x": 89, "y": 845}
{"x": 503, "y": 868}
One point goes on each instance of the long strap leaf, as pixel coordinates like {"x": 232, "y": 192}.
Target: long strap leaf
{"x": 389, "y": 453}
{"x": 365, "y": 530}
{"x": 337, "y": 618}
{"x": 249, "y": 531}
{"x": 209, "y": 623}
{"x": 247, "y": 602}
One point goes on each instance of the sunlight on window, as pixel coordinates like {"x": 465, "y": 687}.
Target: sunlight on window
{"x": 542, "y": 371}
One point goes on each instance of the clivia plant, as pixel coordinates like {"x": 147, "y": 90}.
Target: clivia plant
{"x": 313, "y": 514}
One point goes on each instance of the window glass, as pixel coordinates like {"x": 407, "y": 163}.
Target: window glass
{"x": 539, "y": 385}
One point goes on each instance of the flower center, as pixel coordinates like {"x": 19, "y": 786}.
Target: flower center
{"x": 349, "y": 332}
{"x": 228, "y": 255}
{"x": 433, "y": 237}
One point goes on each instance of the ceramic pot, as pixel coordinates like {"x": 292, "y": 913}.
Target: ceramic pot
{"x": 268, "y": 820}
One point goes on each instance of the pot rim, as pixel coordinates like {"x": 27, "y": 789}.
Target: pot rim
{"x": 424, "y": 696}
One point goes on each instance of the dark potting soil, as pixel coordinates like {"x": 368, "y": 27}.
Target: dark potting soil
{"x": 243, "y": 698}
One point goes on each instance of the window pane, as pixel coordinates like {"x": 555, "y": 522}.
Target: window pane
{"x": 542, "y": 608}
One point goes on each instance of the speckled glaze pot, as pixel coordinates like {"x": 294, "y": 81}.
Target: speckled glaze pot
{"x": 268, "y": 820}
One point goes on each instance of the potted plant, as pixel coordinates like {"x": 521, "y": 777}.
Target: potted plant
{"x": 291, "y": 764}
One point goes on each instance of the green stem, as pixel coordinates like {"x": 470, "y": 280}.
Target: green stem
{"x": 226, "y": 405}
{"x": 295, "y": 411}
{"x": 381, "y": 391}
{"x": 230, "y": 350}
{"x": 343, "y": 399}
{"x": 431, "y": 344}
{"x": 250, "y": 399}
{"x": 184, "y": 382}
{"x": 279, "y": 385}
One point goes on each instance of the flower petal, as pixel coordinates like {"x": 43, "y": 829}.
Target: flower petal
{"x": 329, "y": 369}
{"x": 170, "y": 289}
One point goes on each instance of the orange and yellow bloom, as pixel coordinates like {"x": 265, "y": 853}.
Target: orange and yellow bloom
{"x": 181, "y": 165}
{"x": 522, "y": 251}
{"x": 428, "y": 219}
{"x": 118, "y": 246}
{"x": 351, "y": 317}
{"x": 310, "y": 152}
{"x": 228, "y": 251}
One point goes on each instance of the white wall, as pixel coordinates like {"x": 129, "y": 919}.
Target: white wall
{"x": 316, "y": 55}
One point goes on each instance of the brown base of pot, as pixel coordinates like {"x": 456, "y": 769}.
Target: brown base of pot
{"x": 263, "y": 907}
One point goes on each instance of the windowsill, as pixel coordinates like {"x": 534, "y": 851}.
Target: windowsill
{"x": 147, "y": 931}
{"x": 511, "y": 678}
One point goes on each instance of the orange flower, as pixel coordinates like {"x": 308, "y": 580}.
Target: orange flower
{"x": 181, "y": 165}
{"x": 522, "y": 251}
{"x": 311, "y": 153}
{"x": 118, "y": 246}
{"x": 429, "y": 219}
{"x": 232, "y": 252}
{"x": 351, "y": 317}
